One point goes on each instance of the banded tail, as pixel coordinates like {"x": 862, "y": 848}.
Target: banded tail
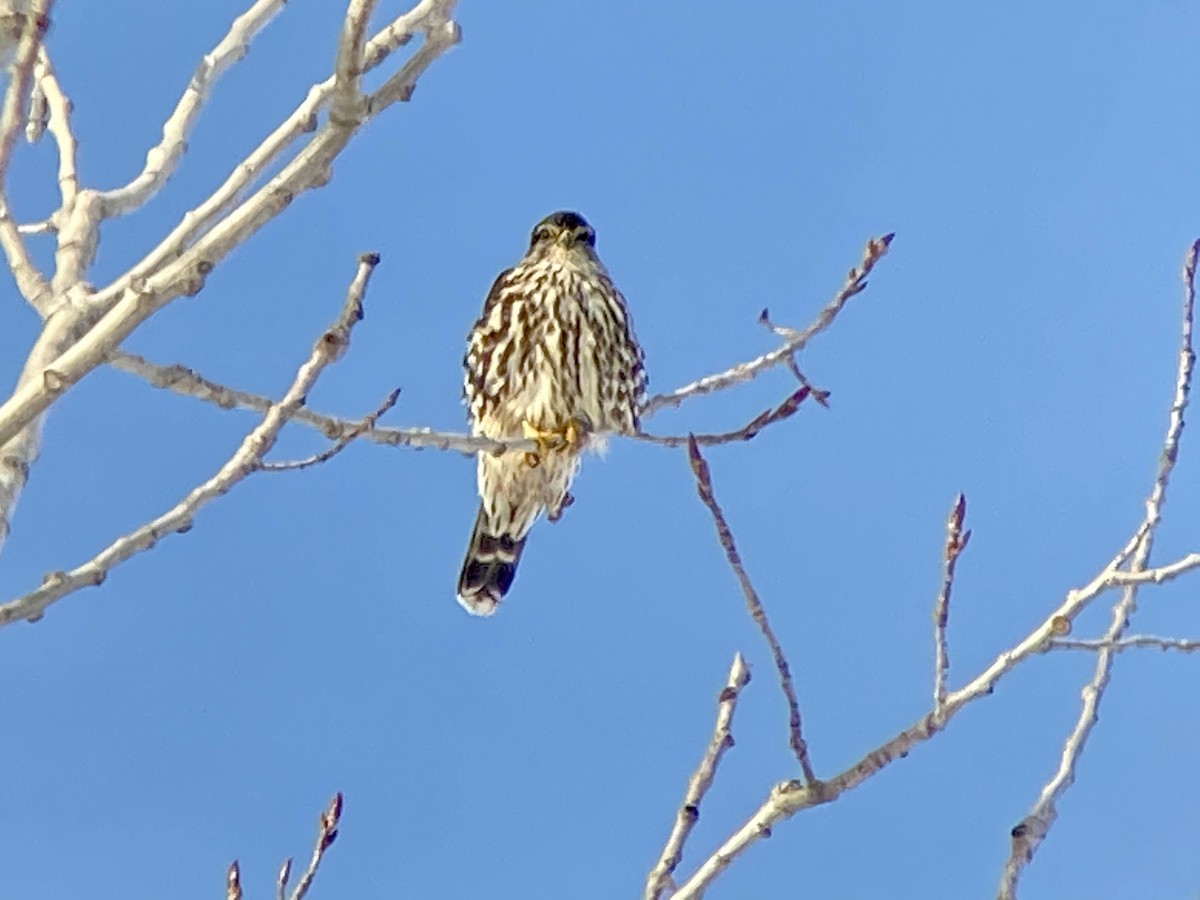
{"x": 489, "y": 568}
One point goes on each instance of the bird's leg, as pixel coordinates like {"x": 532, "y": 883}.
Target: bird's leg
{"x": 556, "y": 513}
{"x": 575, "y": 434}
{"x": 545, "y": 440}
{"x": 570, "y": 437}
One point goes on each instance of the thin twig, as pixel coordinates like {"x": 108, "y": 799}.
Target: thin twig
{"x": 327, "y": 826}
{"x": 1029, "y": 833}
{"x": 788, "y": 798}
{"x": 1131, "y": 642}
{"x": 58, "y": 121}
{"x": 659, "y": 880}
{"x": 956, "y": 543}
{"x": 247, "y": 459}
{"x": 343, "y": 442}
{"x": 784, "y": 410}
{"x": 855, "y": 283}
{"x": 186, "y": 382}
{"x": 1159, "y": 574}
{"x": 425, "y": 17}
{"x": 281, "y": 879}
{"x": 754, "y": 607}
{"x": 164, "y": 157}
{"x": 12, "y": 114}
{"x": 140, "y": 293}
{"x": 30, "y": 282}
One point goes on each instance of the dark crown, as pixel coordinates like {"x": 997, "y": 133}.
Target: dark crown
{"x": 564, "y": 222}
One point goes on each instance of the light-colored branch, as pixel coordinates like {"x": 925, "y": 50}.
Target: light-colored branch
{"x": 368, "y": 422}
{"x": 327, "y": 832}
{"x": 784, "y": 410}
{"x": 659, "y": 880}
{"x": 246, "y": 459}
{"x": 956, "y": 543}
{"x": 1028, "y": 835}
{"x": 432, "y": 17}
{"x": 1130, "y": 642}
{"x": 788, "y": 798}
{"x": 327, "y": 826}
{"x": 33, "y": 229}
{"x": 52, "y": 301}
{"x": 855, "y": 283}
{"x": 139, "y": 298}
{"x": 347, "y": 104}
{"x": 754, "y": 606}
{"x": 1159, "y": 574}
{"x": 30, "y": 282}
{"x": 35, "y": 119}
{"x": 281, "y": 879}
{"x": 163, "y": 158}
{"x": 12, "y": 114}
{"x": 186, "y": 382}
{"x": 19, "y": 454}
{"x": 58, "y": 122}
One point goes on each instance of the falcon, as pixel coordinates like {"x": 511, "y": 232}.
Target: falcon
{"x": 552, "y": 359}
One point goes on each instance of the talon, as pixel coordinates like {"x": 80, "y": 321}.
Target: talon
{"x": 574, "y": 434}
{"x": 570, "y": 437}
{"x": 545, "y": 441}
{"x": 556, "y": 513}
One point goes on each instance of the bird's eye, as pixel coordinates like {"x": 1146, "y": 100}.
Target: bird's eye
{"x": 588, "y": 236}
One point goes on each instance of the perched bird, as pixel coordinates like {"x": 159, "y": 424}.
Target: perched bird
{"x": 553, "y": 358}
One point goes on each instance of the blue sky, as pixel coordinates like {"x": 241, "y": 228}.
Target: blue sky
{"x": 1037, "y": 163}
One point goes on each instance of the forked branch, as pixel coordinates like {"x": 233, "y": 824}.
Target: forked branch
{"x": 247, "y": 459}
{"x": 1028, "y": 834}
{"x": 659, "y": 880}
{"x": 754, "y": 607}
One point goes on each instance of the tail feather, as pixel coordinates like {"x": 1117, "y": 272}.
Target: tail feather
{"x": 489, "y": 568}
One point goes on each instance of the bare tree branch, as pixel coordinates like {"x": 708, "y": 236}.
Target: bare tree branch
{"x": 186, "y": 382}
{"x": 855, "y": 283}
{"x": 134, "y": 299}
{"x": 83, "y": 326}
{"x": 659, "y": 880}
{"x": 956, "y": 543}
{"x": 343, "y": 442}
{"x": 1131, "y": 642}
{"x": 1159, "y": 574}
{"x": 12, "y": 114}
{"x": 788, "y": 798}
{"x": 429, "y": 17}
{"x": 164, "y": 157}
{"x": 784, "y": 410}
{"x": 30, "y": 282}
{"x": 327, "y": 826}
{"x": 1028, "y": 835}
{"x": 754, "y": 607}
{"x": 246, "y": 459}
{"x": 281, "y": 880}
{"x": 58, "y": 121}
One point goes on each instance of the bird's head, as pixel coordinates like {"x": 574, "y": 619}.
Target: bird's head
{"x": 563, "y": 230}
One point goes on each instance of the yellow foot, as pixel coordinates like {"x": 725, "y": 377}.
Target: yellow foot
{"x": 575, "y": 435}
{"x": 571, "y": 437}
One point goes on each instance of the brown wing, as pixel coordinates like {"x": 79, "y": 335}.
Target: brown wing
{"x": 481, "y": 345}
